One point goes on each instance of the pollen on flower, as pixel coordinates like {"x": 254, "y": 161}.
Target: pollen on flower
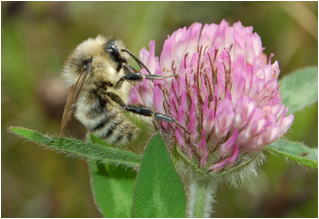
{"x": 225, "y": 95}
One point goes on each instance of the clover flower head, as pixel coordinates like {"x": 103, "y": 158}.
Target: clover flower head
{"x": 225, "y": 94}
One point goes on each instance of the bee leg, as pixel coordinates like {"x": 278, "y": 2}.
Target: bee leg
{"x": 139, "y": 77}
{"x": 130, "y": 77}
{"x": 141, "y": 110}
{"x": 133, "y": 74}
{"x": 145, "y": 111}
{"x": 116, "y": 98}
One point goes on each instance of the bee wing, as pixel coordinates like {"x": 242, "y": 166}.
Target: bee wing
{"x": 70, "y": 102}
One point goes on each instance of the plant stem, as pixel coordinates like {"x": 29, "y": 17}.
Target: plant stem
{"x": 200, "y": 197}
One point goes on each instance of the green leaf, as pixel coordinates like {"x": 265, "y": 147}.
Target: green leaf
{"x": 159, "y": 191}
{"x": 295, "y": 151}
{"x": 86, "y": 150}
{"x": 299, "y": 89}
{"x": 112, "y": 187}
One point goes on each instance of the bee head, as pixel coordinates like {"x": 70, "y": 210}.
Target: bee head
{"x": 100, "y": 57}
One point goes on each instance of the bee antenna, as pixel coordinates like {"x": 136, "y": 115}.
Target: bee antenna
{"x": 139, "y": 62}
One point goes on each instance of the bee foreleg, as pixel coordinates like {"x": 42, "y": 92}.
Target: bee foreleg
{"x": 130, "y": 77}
{"x": 138, "y": 77}
{"x": 141, "y": 110}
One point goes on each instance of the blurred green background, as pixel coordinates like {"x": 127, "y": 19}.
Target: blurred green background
{"x": 38, "y": 36}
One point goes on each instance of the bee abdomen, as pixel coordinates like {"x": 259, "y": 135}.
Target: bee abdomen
{"x": 106, "y": 123}
{"x": 115, "y": 131}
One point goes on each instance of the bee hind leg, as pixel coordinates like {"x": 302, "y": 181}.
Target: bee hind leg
{"x": 141, "y": 110}
{"x": 145, "y": 111}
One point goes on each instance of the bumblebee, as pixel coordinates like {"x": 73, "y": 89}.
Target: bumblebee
{"x": 100, "y": 80}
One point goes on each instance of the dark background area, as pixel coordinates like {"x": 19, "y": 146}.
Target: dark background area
{"x": 38, "y": 36}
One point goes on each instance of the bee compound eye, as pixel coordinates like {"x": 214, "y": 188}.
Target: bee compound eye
{"x": 111, "y": 48}
{"x": 114, "y": 52}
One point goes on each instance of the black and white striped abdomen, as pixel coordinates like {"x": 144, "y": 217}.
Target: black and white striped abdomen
{"x": 104, "y": 120}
